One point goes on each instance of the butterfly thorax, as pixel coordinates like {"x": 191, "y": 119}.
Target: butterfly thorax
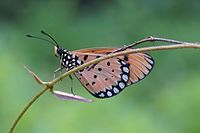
{"x": 68, "y": 60}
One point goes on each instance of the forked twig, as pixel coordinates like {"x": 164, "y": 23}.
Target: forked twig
{"x": 50, "y": 85}
{"x": 150, "y": 39}
{"x": 37, "y": 79}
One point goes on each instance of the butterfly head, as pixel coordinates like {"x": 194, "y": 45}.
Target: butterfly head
{"x": 58, "y": 51}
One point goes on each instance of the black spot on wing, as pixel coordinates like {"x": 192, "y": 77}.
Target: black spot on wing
{"x": 126, "y": 58}
{"x": 85, "y": 57}
{"x": 98, "y": 56}
{"x": 99, "y": 69}
{"x": 95, "y": 76}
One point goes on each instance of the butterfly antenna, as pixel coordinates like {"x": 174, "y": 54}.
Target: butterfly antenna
{"x": 30, "y": 36}
{"x": 49, "y": 36}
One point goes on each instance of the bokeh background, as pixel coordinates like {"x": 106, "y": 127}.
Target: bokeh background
{"x": 167, "y": 101}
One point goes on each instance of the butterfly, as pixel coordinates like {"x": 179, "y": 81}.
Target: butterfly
{"x": 108, "y": 77}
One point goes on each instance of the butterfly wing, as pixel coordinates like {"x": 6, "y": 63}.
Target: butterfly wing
{"x": 102, "y": 51}
{"x": 111, "y": 76}
{"x": 103, "y": 81}
{"x": 141, "y": 65}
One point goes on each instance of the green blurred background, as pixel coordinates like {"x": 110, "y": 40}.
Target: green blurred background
{"x": 167, "y": 101}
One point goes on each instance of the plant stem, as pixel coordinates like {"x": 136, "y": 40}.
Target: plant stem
{"x": 119, "y": 52}
{"x": 149, "y": 39}
{"x": 129, "y": 51}
{"x": 26, "y": 108}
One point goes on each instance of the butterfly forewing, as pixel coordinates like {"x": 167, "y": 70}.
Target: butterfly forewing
{"x": 109, "y": 77}
{"x": 105, "y": 79}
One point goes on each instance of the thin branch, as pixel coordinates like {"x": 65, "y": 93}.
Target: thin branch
{"x": 37, "y": 79}
{"x": 131, "y": 51}
{"x": 50, "y": 85}
{"x": 157, "y": 39}
{"x": 26, "y": 108}
{"x": 149, "y": 39}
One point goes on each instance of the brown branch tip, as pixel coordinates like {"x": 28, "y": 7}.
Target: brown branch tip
{"x": 58, "y": 94}
{"x": 37, "y": 79}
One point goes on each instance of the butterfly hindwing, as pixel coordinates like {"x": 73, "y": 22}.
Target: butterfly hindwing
{"x": 140, "y": 66}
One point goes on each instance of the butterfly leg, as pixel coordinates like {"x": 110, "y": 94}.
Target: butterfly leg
{"x": 57, "y": 70}
{"x": 71, "y": 84}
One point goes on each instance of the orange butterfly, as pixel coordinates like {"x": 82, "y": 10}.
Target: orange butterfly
{"x": 108, "y": 77}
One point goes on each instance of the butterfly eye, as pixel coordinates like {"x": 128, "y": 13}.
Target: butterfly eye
{"x": 56, "y": 51}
